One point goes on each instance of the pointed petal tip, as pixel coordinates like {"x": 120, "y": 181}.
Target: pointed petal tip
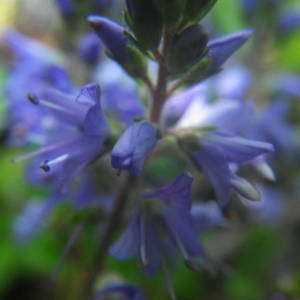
{"x": 245, "y": 188}
{"x": 95, "y": 20}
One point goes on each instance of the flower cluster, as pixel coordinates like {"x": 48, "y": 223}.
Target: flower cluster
{"x": 85, "y": 134}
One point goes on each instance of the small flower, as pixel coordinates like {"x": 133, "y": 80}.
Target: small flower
{"x": 169, "y": 226}
{"x": 112, "y": 35}
{"x": 218, "y": 154}
{"x": 221, "y": 49}
{"x": 134, "y": 147}
{"x": 81, "y": 135}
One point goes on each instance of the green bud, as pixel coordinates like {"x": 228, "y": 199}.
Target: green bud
{"x": 171, "y": 11}
{"x": 196, "y": 73}
{"x": 195, "y": 10}
{"x": 187, "y": 48}
{"x": 136, "y": 64}
{"x": 145, "y": 21}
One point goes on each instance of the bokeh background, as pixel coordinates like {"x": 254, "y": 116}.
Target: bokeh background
{"x": 258, "y": 253}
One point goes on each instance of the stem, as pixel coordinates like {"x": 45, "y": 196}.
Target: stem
{"x": 160, "y": 92}
{"x": 173, "y": 88}
{"x": 74, "y": 236}
{"x": 113, "y": 225}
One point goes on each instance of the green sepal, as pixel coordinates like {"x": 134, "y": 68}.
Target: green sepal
{"x": 188, "y": 47}
{"x": 145, "y": 21}
{"x": 171, "y": 11}
{"x": 136, "y": 64}
{"x": 190, "y": 140}
{"x": 195, "y": 10}
{"x": 197, "y": 73}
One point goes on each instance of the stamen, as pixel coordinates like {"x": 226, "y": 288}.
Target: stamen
{"x": 45, "y": 165}
{"x": 188, "y": 260}
{"x": 143, "y": 253}
{"x": 44, "y": 150}
{"x": 63, "y": 106}
{"x": 33, "y": 98}
{"x": 180, "y": 246}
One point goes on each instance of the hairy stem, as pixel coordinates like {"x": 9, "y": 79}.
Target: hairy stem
{"x": 159, "y": 94}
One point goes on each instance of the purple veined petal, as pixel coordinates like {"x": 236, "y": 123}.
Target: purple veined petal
{"x": 61, "y": 105}
{"x": 128, "y": 245}
{"x": 221, "y": 49}
{"x": 233, "y": 148}
{"x": 184, "y": 233}
{"x": 134, "y": 147}
{"x": 218, "y": 173}
{"x": 178, "y": 192}
{"x": 112, "y": 35}
{"x": 95, "y": 123}
{"x": 89, "y": 94}
{"x": 207, "y": 215}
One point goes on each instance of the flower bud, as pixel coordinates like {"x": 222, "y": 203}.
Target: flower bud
{"x": 118, "y": 45}
{"x": 188, "y": 47}
{"x": 134, "y": 147}
{"x": 112, "y": 35}
{"x": 195, "y": 10}
{"x": 171, "y": 11}
{"x": 145, "y": 21}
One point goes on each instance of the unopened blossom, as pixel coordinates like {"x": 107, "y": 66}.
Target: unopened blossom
{"x": 218, "y": 155}
{"x": 134, "y": 147}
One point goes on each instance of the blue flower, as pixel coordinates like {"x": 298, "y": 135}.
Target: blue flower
{"x": 134, "y": 147}
{"x": 162, "y": 223}
{"x": 218, "y": 154}
{"x": 83, "y": 129}
{"x": 221, "y": 49}
{"x": 112, "y": 35}
{"x": 36, "y": 67}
